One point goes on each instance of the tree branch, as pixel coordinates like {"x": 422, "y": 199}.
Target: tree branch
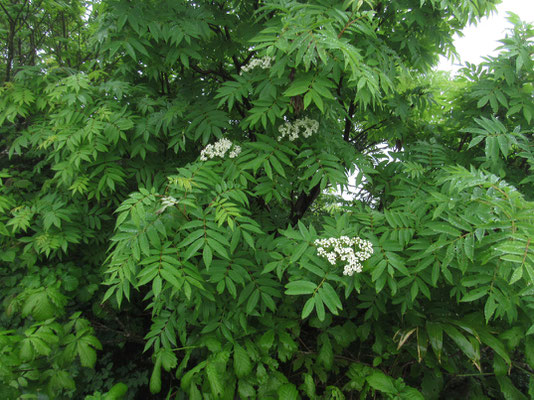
{"x": 223, "y": 74}
{"x": 9, "y": 17}
{"x": 348, "y": 122}
{"x": 304, "y": 201}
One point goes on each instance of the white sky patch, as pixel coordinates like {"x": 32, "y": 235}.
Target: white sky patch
{"x": 483, "y": 39}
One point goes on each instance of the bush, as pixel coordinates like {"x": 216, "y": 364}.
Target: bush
{"x": 179, "y": 215}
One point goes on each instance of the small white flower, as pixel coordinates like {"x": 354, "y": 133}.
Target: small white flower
{"x": 343, "y": 249}
{"x": 167, "y": 201}
{"x": 304, "y": 127}
{"x": 219, "y": 149}
{"x": 235, "y": 152}
{"x": 263, "y": 63}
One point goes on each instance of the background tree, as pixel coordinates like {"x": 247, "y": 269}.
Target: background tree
{"x": 179, "y": 152}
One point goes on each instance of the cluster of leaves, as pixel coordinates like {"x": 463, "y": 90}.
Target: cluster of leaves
{"x": 46, "y": 345}
{"x": 203, "y": 275}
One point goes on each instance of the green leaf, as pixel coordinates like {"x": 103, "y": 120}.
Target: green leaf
{"x": 192, "y": 249}
{"x": 86, "y": 353}
{"x": 482, "y": 101}
{"x": 308, "y": 307}
{"x": 288, "y": 391}
{"x": 330, "y": 298}
{"x": 317, "y": 100}
{"x": 381, "y": 382}
{"x": 117, "y": 392}
{"x": 267, "y": 340}
{"x": 435, "y": 335}
{"x": 307, "y": 100}
{"x": 299, "y": 86}
{"x": 207, "y": 256}
{"x": 463, "y": 344}
{"x": 495, "y": 344}
{"x": 246, "y": 390}
{"x": 186, "y": 381}
{"x": 299, "y": 251}
{"x": 219, "y": 249}
{"x": 469, "y": 246}
{"x": 277, "y": 166}
{"x": 410, "y": 393}
{"x": 214, "y": 379}
{"x": 156, "y": 285}
{"x": 476, "y": 294}
{"x": 155, "y": 378}
{"x": 442, "y": 227}
{"x": 489, "y": 308}
{"x": 508, "y": 389}
{"x": 268, "y": 169}
{"x": 252, "y": 301}
{"x": 309, "y": 386}
{"x": 516, "y": 275}
{"x": 300, "y": 287}
{"x": 168, "y": 359}
{"x": 319, "y": 308}
{"x": 130, "y": 50}
{"x": 242, "y": 364}
{"x": 26, "y": 351}
{"x": 168, "y": 273}
{"x": 326, "y": 353}
{"x": 192, "y": 237}
{"x": 248, "y": 239}
{"x": 62, "y": 379}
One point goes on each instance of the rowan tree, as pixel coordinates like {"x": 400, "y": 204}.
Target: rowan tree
{"x": 174, "y": 214}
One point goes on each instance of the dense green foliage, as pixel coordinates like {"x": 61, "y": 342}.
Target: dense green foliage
{"x": 140, "y": 259}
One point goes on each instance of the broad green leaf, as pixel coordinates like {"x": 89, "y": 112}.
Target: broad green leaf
{"x": 299, "y": 86}
{"x": 168, "y": 359}
{"x": 266, "y": 341}
{"x": 299, "y": 251}
{"x": 381, "y": 382}
{"x": 463, "y": 344}
{"x": 300, "y": 287}
{"x": 155, "y": 378}
{"x": 86, "y": 353}
{"x": 435, "y": 335}
{"x": 326, "y": 354}
{"x": 495, "y": 344}
{"x": 288, "y": 391}
{"x": 476, "y": 294}
{"x": 330, "y": 298}
{"x": 219, "y": 249}
{"x": 242, "y": 363}
{"x": 509, "y": 390}
{"x": 117, "y": 392}
{"x": 214, "y": 379}
{"x": 516, "y": 275}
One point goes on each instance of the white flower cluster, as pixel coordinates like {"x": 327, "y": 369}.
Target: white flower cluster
{"x": 219, "y": 149}
{"x": 167, "y": 201}
{"x": 305, "y": 127}
{"x": 343, "y": 248}
{"x": 263, "y": 63}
